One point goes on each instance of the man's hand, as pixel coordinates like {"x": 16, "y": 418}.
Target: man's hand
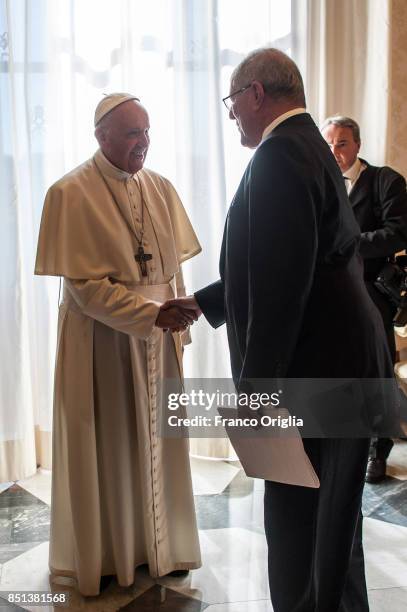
{"x": 174, "y": 318}
{"x": 178, "y": 313}
{"x": 188, "y": 304}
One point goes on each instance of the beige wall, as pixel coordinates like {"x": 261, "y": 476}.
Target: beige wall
{"x": 396, "y": 145}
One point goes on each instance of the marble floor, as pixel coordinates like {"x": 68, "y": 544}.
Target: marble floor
{"x": 233, "y": 577}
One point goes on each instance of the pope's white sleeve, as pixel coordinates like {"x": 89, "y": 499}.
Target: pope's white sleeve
{"x": 115, "y": 305}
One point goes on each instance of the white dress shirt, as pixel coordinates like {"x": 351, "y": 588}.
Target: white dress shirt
{"x": 352, "y": 174}
{"x": 280, "y": 119}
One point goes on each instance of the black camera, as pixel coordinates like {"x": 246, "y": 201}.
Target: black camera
{"x": 392, "y": 282}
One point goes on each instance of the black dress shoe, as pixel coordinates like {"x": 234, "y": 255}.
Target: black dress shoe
{"x": 178, "y": 573}
{"x": 376, "y": 470}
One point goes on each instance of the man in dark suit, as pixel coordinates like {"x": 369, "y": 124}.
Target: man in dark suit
{"x": 288, "y": 274}
{"x": 379, "y": 201}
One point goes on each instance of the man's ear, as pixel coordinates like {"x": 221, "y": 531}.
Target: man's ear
{"x": 100, "y": 134}
{"x": 259, "y": 93}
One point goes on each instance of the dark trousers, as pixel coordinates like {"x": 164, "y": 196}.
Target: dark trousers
{"x": 314, "y": 536}
{"x": 380, "y": 447}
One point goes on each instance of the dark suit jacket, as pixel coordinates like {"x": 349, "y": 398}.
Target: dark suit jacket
{"x": 379, "y": 201}
{"x": 291, "y": 289}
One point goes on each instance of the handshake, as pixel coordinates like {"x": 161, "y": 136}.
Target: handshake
{"x": 176, "y": 315}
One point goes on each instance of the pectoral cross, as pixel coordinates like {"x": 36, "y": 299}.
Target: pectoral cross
{"x": 141, "y": 259}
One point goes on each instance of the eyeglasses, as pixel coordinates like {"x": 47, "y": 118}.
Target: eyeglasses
{"x": 228, "y": 102}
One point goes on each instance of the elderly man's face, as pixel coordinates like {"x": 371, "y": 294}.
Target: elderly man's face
{"x": 125, "y": 140}
{"x": 342, "y": 144}
{"x": 241, "y": 111}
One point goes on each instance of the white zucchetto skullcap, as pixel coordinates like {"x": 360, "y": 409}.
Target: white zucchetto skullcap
{"x": 110, "y": 102}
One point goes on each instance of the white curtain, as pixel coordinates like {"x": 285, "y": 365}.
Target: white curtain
{"x": 57, "y": 58}
{"x": 27, "y": 311}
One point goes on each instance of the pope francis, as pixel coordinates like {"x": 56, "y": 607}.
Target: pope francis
{"x": 117, "y": 233}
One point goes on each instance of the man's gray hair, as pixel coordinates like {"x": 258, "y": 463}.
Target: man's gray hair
{"x": 346, "y": 122}
{"x": 276, "y": 71}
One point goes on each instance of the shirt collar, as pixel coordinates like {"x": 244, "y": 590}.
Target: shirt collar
{"x": 280, "y": 119}
{"x": 106, "y": 167}
{"x": 353, "y": 172}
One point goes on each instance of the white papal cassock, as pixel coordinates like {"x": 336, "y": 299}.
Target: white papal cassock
{"x": 121, "y": 494}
